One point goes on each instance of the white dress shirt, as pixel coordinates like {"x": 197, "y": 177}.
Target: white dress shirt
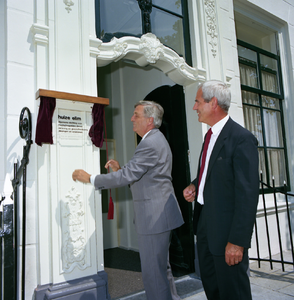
{"x": 216, "y": 129}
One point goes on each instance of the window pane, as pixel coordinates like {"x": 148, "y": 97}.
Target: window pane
{"x": 119, "y": 18}
{"x": 247, "y": 54}
{"x": 270, "y": 102}
{"x": 252, "y": 121}
{"x": 272, "y": 127}
{"x": 269, "y": 71}
{"x": 262, "y": 163}
{"x": 277, "y": 167}
{"x": 248, "y": 75}
{"x": 248, "y": 71}
{"x": 172, "y": 5}
{"x": 250, "y": 98}
{"x": 169, "y": 30}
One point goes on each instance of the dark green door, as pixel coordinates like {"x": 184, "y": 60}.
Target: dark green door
{"x": 174, "y": 127}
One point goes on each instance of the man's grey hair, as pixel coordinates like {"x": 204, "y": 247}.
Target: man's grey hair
{"x": 152, "y": 109}
{"x": 218, "y": 89}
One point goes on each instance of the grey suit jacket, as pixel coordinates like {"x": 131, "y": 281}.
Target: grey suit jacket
{"x": 149, "y": 175}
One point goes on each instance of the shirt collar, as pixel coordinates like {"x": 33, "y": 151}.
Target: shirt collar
{"x": 145, "y": 135}
{"x": 217, "y": 127}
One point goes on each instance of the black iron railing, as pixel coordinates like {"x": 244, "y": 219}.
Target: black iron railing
{"x": 274, "y": 193}
{"x": 9, "y": 273}
{"x": 7, "y": 253}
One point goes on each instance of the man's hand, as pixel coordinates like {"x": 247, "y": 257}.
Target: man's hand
{"x": 233, "y": 254}
{"x": 113, "y": 164}
{"x": 189, "y": 193}
{"x": 81, "y": 176}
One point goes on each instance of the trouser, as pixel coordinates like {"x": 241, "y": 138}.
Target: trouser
{"x": 156, "y": 272}
{"x": 221, "y": 281}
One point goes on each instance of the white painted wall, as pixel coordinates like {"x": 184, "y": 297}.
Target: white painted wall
{"x": 17, "y": 91}
{"x": 69, "y": 212}
{"x": 64, "y": 63}
{"x": 214, "y": 51}
{"x": 2, "y": 93}
{"x": 42, "y": 46}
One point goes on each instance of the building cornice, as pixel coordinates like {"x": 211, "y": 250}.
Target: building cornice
{"x": 147, "y": 50}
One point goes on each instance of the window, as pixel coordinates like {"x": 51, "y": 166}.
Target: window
{"x": 117, "y": 18}
{"x": 167, "y": 19}
{"x": 167, "y": 24}
{"x": 262, "y": 96}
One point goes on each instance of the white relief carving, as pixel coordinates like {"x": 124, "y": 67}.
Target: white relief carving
{"x": 119, "y": 49}
{"x": 180, "y": 63}
{"x": 151, "y": 47}
{"x": 146, "y": 50}
{"x": 211, "y": 24}
{"x": 68, "y": 4}
{"x": 73, "y": 232}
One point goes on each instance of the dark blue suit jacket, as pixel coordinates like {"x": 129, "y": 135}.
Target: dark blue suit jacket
{"x": 231, "y": 189}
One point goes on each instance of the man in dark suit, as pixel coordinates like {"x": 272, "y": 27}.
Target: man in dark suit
{"x": 156, "y": 208}
{"x": 226, "y": 197}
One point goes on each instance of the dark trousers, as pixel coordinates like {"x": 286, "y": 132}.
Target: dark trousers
{"x": 220, "y": 281}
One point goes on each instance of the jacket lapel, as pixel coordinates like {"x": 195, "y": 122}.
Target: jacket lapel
{"x": 219, "y": 144}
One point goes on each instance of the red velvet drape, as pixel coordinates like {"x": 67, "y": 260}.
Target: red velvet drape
{"x": 44, "y": 121}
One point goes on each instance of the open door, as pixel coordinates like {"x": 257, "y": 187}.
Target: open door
{"x": 174, "y": 127}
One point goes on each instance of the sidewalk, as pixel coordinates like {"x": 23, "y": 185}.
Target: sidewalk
{"x": 266, "y": 284}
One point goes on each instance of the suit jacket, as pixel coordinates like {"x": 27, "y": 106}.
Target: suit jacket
{"x": 231, "y": 189}
{"x": 149, "y": 175}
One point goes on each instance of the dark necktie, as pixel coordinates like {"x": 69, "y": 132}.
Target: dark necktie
{"x": 205, "y": 147}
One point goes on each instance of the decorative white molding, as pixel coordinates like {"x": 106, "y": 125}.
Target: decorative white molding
{"x": 119, "y": 49}
{"x": 211, "y": 24}
{"x": 151, "y": 47}
{"x": 94, "y": 45}
{"x": 40, "y": 33}
{"x": 68, "y": 4}
{"x": 228, "y": 80}
{"x": 144, "y": 51}
{"x": 73, "y": 232}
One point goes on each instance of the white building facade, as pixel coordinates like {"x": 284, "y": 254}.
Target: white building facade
{"x": 55, "y": 45}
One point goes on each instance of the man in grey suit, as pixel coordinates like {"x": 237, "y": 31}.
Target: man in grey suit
{"x": 156, "y": 209}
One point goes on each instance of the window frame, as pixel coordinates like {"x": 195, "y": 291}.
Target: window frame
{"x": 184, "y": 16}
{"x": 260, "y": 92}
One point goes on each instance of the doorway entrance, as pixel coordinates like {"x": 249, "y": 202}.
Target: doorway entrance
{"x": 125, "y": 83}
{"x": 174, "y": 128}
